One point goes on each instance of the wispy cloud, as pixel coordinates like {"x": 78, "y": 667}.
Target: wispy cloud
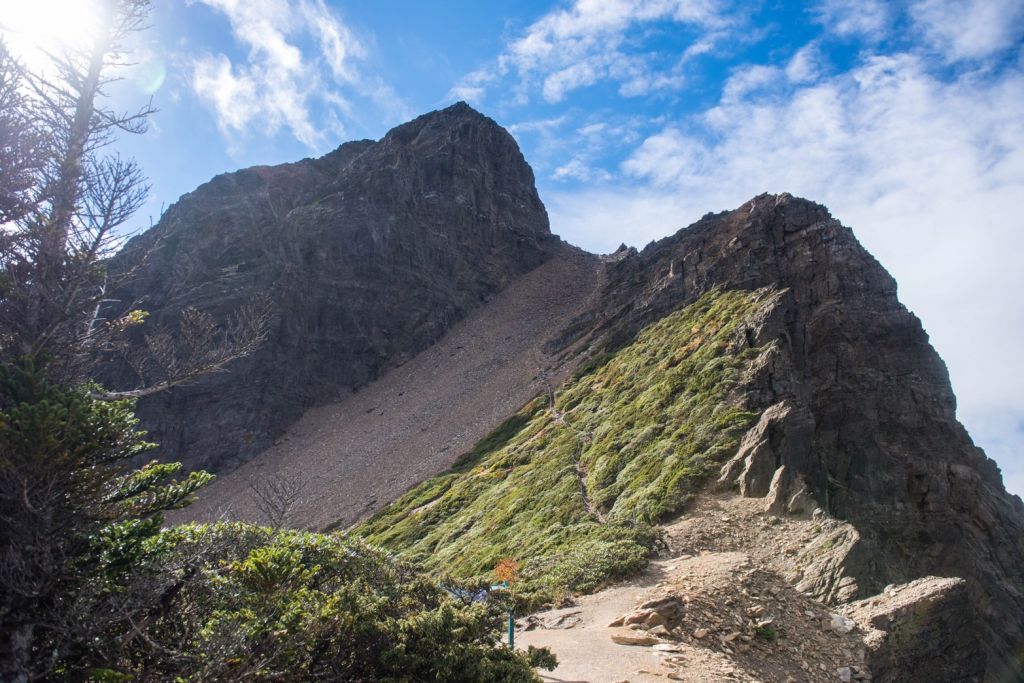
{"x": 574, "y": 147}
{"x": 589, "y": 42}
{"x": 473, "y": 85}
{"x": 859, "y": 18}
{"x": 970, "y": 29}
{"x": 806, "y": 65}
{"x": 578, "y": 169}
{"x": 301, "y": 68}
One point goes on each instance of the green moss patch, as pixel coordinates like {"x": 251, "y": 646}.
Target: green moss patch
{"x": 572, "y": 492}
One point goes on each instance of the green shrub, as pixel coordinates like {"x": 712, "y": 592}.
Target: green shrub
{"x": 647, "y": 425}
{"x": 76, "y": 524}
{"x": 94, "y": 589}
{"x": 241, "y": 602}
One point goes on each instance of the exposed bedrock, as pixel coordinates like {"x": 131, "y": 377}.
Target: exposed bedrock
{"x": 921, "y": 631}
{"x": 368, "y": 254}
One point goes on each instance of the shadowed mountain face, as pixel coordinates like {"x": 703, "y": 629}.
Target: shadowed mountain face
{"x": 375, "y": 251}
{"x": 368, "y": 254}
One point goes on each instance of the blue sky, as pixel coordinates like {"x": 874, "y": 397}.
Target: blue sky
{"x": 638, "y": 116}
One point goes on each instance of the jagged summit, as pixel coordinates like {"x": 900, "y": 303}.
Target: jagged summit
{"x": 369, "y": 254}
{"x": 454, "y": 114}
{"x": 856, "y": 407}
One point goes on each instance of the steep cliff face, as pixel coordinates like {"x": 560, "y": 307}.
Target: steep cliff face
{"x": 858, "y": 415}
{"x": 368, "y": 255}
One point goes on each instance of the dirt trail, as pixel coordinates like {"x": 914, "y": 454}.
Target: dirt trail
{"x": 366, "y": 450}
{"x": 729, "y": 566}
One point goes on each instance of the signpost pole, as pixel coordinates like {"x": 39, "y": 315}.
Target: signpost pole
{"x": 511, "y": 616}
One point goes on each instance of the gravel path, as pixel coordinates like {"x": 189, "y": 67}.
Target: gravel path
{"x": 729, "y": 561}
{"x": 584, "y": 650}
{"x": 357, "y": 455}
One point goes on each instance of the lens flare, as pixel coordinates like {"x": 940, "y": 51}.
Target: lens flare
{"x": 34, "y": 27}
{"x": 150, "y": 75}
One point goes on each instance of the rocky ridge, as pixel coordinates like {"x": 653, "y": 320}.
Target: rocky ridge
{"x": 857, "y": 413}
{"x": 723, "y": 605}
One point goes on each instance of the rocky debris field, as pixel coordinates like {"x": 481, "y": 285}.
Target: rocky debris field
{"x": 746, "y": 614}
{"x": 724, "y": 606}
{"x": 353, "y": 456}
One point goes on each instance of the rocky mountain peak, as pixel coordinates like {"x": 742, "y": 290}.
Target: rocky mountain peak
{"x": 369, "y": 253}
{"x": 444, "y": 122}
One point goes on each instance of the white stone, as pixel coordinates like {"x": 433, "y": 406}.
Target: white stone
{"x": 842, "y": 625}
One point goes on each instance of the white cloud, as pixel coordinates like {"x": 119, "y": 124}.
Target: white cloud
{"x": 337, "y": 43}
{"x": 805, "y": 65}
{"x": 578, "y": 169}
{"x": 301, "y": 59}
{"x": 593, "y": 129}
{"x": 865, "y": 18}
{"x": 543, "y": 126}
{"x": 571, "y": 77}
{"x": 467, "y": 93}
{"x": 234, "y": 97}
{"x": 588, "y": 43}
{"x": 472, "y": 86}
{"x": 566, "y": 148}
{"x": 667, "y": 157}
{"x": 970, "y": 29}
{"x": 928, "y": 172}
{"x": 748, "y": 79}
{"x": 702, "y": 46}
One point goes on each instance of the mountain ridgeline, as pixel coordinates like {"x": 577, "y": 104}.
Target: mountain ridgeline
{"x": 760, "y": 350}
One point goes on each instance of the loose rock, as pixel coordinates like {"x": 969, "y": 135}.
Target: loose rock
{"x": 626, "y": 638}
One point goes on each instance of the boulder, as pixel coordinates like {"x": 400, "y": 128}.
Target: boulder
{"x": 922, "y": 631}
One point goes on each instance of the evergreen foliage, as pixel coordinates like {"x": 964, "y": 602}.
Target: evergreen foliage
{"x": 74, "y": 520}
{"x": 239, "y": 602}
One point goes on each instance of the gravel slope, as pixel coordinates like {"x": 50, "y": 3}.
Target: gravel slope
{"x": 356, "y": 455}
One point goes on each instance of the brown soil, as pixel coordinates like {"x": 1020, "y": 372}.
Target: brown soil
{"x": 731, "y": 567}
{"x": 354, "y": 456}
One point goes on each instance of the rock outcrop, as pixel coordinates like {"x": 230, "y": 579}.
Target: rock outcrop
{"x": 858, "y": 412}
{"x": 921, "y": 631}
{"x": 368, "y": 254}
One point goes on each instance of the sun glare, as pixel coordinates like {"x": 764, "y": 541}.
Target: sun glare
{"x": 34, "y": 27}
